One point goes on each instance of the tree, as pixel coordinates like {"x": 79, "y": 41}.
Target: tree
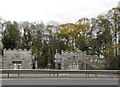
{"x": 72, "y": 34}
{"x": 26, "y": 41}
{"x": 11, "y": 38}
{"x": 37, "y": 42}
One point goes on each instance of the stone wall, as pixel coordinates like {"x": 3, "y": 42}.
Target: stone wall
{"x": 78, "y": 60}
{"x": 0, "y": 58}
{"x": 15, "y": 58}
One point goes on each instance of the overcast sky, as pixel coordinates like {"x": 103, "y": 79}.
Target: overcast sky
{"x": 61, "y": 11}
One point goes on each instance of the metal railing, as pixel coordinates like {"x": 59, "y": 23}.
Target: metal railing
{"x": 57, "y": 72}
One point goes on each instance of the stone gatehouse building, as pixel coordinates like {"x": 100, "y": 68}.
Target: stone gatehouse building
{"x": 79, "y": 60}
{"x": 17, "y": 59}
{"x": 23, "y": 59}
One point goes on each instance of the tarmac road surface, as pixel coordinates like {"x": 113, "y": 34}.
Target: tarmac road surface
{"x": 60, "y": 81}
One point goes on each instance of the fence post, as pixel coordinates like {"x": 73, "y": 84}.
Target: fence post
{"x": 18, "y": 74}
{"x": 8, "y": 74}
{"x": 54, "y": 74}
{"x": 57, "y": 74}
{"x": 49, "y": 74}
{"x": 87, "y": 74}
{"x": 96, "y": 75}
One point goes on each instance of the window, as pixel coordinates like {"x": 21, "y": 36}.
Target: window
{"x": 73, "y": 66}
{"x": 16, "y": 64}
{"x": 19, "y": 66}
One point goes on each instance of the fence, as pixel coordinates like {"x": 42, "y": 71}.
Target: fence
{"x": 57, "y": 72}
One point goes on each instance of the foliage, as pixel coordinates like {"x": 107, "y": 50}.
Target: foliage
{"x": 97, "y": 36}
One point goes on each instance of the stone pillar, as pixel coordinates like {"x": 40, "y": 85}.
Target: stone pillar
{"x": 1, "y": 48}
{"x": 0, "y": 58}
{"x": 56, "y": 65}
{"x": 36, "y": 64}
{"x": 77, "y": 66}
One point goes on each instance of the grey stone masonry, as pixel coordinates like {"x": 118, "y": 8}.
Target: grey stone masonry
{"x": 79, "y": 60}
{"x": 17, "y": 59}
{"x": 1, "y": 47}
{"x": 0, "y": 58}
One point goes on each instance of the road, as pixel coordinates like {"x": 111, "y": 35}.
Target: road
{"x": 60, "y": 81}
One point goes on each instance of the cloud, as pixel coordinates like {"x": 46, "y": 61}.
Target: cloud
{"x": 58, "y": 10}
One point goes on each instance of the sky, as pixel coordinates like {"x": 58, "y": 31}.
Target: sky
{"x": 61, "y": 11}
